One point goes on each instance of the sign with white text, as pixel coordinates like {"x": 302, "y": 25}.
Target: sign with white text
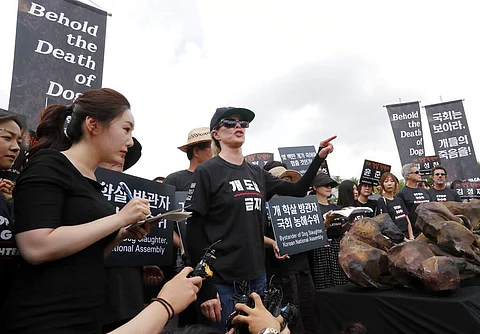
{"x": 154, "y": 249}
{"x": 299, "y": 158}
{"x": 297, "y": 224}
{"x": 407, "y": 129}
{"x": 372, "y": 172}
{"x": 59, "y": 51}
{"x": 451, "y": 139}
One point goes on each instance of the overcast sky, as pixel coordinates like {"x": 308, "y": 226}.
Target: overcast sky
{"x": 308, "y": 69}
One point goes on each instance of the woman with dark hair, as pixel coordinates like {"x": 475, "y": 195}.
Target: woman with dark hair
{"x": 325, "y": 268}
{"x": 10, "y": 141}
{"x": 227, "y": 198}
{"x": 64, "y": 226}
{"x": 347, "y": 194}
{"x": 394, "y": 205}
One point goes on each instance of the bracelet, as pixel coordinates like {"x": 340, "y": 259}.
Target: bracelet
{"x": 168, "y": 307}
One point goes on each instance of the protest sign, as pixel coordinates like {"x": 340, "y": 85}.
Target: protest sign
{"x": 59, "y": 50}
{"x": 299, "y": 158}
{"x": 259, "y": 159}
{"x": 372, "y": 172}
{"x": 426, "y": 164}
{"x": 466, "y": 189}
{"x": 407, "y": 129}
{"x": 451, "y": 139}
{"x": 157, "y": 247}
{"x": 297, "y": 224}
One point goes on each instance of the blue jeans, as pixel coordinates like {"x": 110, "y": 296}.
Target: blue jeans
{"x": 226, "y": 293}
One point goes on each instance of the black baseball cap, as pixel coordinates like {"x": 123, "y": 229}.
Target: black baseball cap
{"x": 324, "y": 180}
{"x": 224, "y": 112}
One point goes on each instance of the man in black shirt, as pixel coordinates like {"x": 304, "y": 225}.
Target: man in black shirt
{"x": 198, "y": 150}
{"x": 439, "y": 192}
{"x": 411, "y": 194}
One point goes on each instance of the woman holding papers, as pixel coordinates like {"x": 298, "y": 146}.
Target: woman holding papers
{"x": 326, "y": 271}
{"x": 64, "y": 226}
{"x": 394, "y": 205}
{"x": 227, "y": 198}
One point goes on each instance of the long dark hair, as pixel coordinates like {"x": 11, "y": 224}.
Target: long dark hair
{"x": 103, "y": 104}
{"x": 345, "y": 194}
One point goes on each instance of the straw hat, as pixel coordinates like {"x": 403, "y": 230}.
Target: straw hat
{"x": 282, "y": 172}
{"x": 196, "y": 136}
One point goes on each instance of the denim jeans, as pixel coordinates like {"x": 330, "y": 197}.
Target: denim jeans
{"x": 226, "y": 293}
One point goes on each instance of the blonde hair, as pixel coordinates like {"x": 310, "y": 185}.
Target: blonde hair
{"x": 215, "y": 146}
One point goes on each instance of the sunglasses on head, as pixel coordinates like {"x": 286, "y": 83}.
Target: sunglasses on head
{"x": 440, "y": 174}
{"x": 230, "y": 123}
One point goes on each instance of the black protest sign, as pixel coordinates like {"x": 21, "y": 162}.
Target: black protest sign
{"x": 259, "y": 159}
{"x": 426, "y": 164}
{"x": 407, "y": 129}
{"x": 59, "y": 51}
{"x": 299, "y": 158}
{"x": 467, "y": 190}
{"x": 157, "y": 247}
{"x": 372, "y": 172}
{"x": 297, "y": 224}
{"x": 451, "y": 139}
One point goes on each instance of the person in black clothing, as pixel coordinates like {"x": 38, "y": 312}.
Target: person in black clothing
{"x": 10, "y": 141}
{"x": 292, "y": 274}
{"x": 63, "y": 224}
{"x": 227, "y": 198}
{"x": 439, "y": 192}
{"x": 411, "y": 194}
{"x": 394, "y": 205}
{"x": 364, "y": 191}
{"x": 324, "y": 261}
{"x": 198, "y": 150}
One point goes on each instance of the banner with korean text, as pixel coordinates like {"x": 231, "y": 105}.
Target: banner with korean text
{"x": 59, "y": 51}
{"x": 154, "y": 249}
{"x": 299, "y": 158}
{"x": 407, "y": 129}
{"x": 297, "y": 224}
{"x": 451, "y": 139}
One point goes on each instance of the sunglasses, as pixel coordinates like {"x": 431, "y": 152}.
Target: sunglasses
{"x": 415, "y": 172}
{"x": 230, "y": 123}
{"x": 440, "y": 174}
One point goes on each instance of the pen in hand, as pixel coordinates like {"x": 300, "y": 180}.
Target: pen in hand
{"x": 129, "y": 195}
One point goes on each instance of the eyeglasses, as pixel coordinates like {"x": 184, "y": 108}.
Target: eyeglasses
{"x": 440, "y": 174}
{"x": 415, "y": 172}
{"x": 230, "y": 123}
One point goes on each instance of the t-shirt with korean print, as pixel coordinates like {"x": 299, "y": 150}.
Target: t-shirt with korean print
{"x": 228, "y": 204}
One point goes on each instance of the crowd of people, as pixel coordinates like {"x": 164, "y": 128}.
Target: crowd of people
{"x": 64, "y": 228}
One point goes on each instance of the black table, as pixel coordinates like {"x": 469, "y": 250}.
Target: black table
{"x": 399, "y": 310}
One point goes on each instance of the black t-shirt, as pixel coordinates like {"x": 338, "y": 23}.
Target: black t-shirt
{"x": 181, "y": 180}
{"x": 372, "y": 204}
{"x": 397, "y": 210}
{"x": 335, "y": 230}
{"x": 444, "y": 195}
{"x": 228, "y": 204}
{"x": 8, "y": 249}
{"x": 65, "y": 295}
{"x": 413, "y": 197}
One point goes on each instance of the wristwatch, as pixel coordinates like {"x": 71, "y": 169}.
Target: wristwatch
{"x": 269, "y": 330}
